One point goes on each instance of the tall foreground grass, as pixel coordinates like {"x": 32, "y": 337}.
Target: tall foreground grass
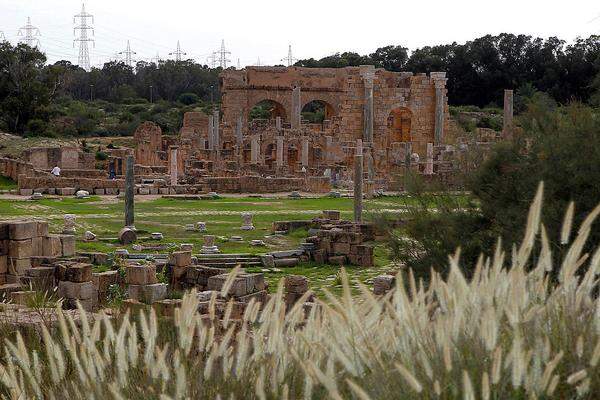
{"x": 509, "y": 333}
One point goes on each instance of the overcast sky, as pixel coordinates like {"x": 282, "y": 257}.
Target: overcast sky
{"x": 264, "y": 28}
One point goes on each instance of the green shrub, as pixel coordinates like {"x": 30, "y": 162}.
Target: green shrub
{"x": 188, "y": 98}
{"x": 101, "y": 156}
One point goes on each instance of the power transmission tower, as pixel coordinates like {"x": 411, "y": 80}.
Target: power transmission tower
{"x": 2, "y": 38}
{"x": 128, "y": 53}
{"x": 258, "y": 64}
{"x": 290, "y": 58}
{"x": 30, "y": 34}
{"x": 178, "y": 53}
{"x": 238, "y": 64}
{"x": 222, "y": 52}
{"x": 83, "y": 28}
{"x": 212, "y": 60}
{"x": 156, "y": 59}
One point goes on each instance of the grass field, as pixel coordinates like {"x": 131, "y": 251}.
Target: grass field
{"x": 104, "y": 216}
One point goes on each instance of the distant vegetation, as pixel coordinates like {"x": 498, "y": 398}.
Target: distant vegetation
{"x": 63, "y": 99}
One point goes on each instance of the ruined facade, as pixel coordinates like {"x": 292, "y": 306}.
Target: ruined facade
{"x": 396, "y": 115}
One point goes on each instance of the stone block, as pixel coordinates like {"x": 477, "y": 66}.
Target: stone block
{"x": 40, "y": 272}
{"x": 78, "y": 273}
{"x": 37, "y": 246}
{"x": 166, "y": 307}
{"x": 337, "y": 260}
{"x": 180, "y": 258}
{"x": 77, "y": 290}
{"x": 242, "y": 285}
{"x": 26, "y": 192}
{"x": 103, "y": 280}
{"x": 41, "y": 261}
{"x": 51, "y": 246}
{"x": 42, "y": 228}
{"x": 147, "y": 293}
{"x": 260, "y": 296}
{"x": 3, "y": 264}
{"x": 133, "y": 306}
{"x": 140, "y": 274}
{"x": 4, "y": 247}
{"x": 17, "y": 266}
{"x": 19, "y": 248}
{"x": 7, "y": 289}
{"x": 65, "y": 191}
{"x": 22, "y": 297}
{"x": 341, "y": 248}
{"x": 67, "y": 245}
{"x": 21, "y": 230}
{"x": 296, "y": 284}
{"x": 383, "y": 284}
{"x": 3, "y": 230}
{"x": 331, "y": 214}
{"x": 87, "y": 304}
{"x": 99, "y": 192}
{"x": 127, "y": 236}
{"x": 286, "y": 262}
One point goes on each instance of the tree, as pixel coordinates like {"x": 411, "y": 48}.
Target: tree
{"x": 23, "y": 92}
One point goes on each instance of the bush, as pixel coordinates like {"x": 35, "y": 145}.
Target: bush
{"x": 101, "y": 156}
{"x": 188, "y": 98}
{"x": 36, "y": 127}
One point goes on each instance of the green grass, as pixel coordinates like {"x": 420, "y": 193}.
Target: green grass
{"x": 105, "y": 217}
{"x": 7, "y": 183}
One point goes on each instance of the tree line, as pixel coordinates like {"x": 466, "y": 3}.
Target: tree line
{"x": 478, "y": 71}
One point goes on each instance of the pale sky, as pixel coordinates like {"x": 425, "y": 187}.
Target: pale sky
{"x": 264, "y": 28}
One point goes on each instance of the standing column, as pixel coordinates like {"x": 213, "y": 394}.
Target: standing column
{"x": 129, "y": 192}
{"x": 507, "y": 128}
{"x": 173, "y": 165}
{"x": 305, "y": 152}
{"x": 439, "y": 113}
{"x": 408, "y": 158}
{"x": 239, "y": 137}
{"x": 368, "y": 74}
{"x": 429, "y": 160}
{"x": 216, "y": 134}
{"x": 358, "y": 181}
{"x": 278, "y": 125}
{"x": 328, "y": 148}
{"x": 211, "y": 126}
{"x": 296, "y": 108}
{"x": 279, "y": 151}
{"x": 254, "y": 150}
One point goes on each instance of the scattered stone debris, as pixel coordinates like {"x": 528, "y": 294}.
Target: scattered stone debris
{"x": 156, "y": 236}
{"x": 89, "y": 236}
{"x": 257, "y": 242}
{"x": 36, "y": 196}
{"x": 209, "y": 246}
{"x": 247, "y": 218}
{"x": 383, "y": 284}
{"x": 82, "y": 194}
{"x": 201, "y": 226}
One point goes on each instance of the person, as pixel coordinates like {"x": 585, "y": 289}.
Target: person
{"x": 55, "y": 171}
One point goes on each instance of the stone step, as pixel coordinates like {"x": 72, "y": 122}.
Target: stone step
{"x": 232, "y": 264}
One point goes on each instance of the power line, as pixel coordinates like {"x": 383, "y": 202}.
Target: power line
{"x": 222, "y": 52}
{"x": 83, "y": 28}
{"x": 128, "y": 53}
{"x": 212, "y": 60}
{"x": 290, "y": 58}
{"x": 30, "y": 34}
{"x": 178, "y": 53}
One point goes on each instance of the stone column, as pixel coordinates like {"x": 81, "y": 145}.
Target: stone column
{"x": 328, "y": 148}
{"x": 216, "y": 134}
{"x": 358, "y": 181}
{"x": 507, "y": 128}
{"x": 296, "y": 108}
{"x": 439, "y": 113}
{"x": 278, "y": 125}
{"x": 368, "y": 74}
{"x": 429, "y": 160}
{"x": 254, "y": 150}
{"x": 279, "y": 151}
{"x": 239, "y": 137}
{"x": 173, "y": 165}
{"x": 211, "y": 126}
{"x": 408, "y": 157}
{"x": 305, "y": 152}
{"x": 129, "y": 192}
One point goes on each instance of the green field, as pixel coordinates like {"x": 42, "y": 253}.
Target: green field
{"x": 105, "y": 217}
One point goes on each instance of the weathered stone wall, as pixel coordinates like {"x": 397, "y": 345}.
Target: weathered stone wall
{"x": 149, "y": 145}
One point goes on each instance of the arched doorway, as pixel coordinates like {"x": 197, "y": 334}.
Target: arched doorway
{"x": 292, "y": 157}
{"x": 399, "y": 125}
{"x": 316, "y": 111}
{"x": 267, "y": 109}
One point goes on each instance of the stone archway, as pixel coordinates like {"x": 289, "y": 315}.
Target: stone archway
{"x": 267, "y": 109}
{"x": 317, "y": 110}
